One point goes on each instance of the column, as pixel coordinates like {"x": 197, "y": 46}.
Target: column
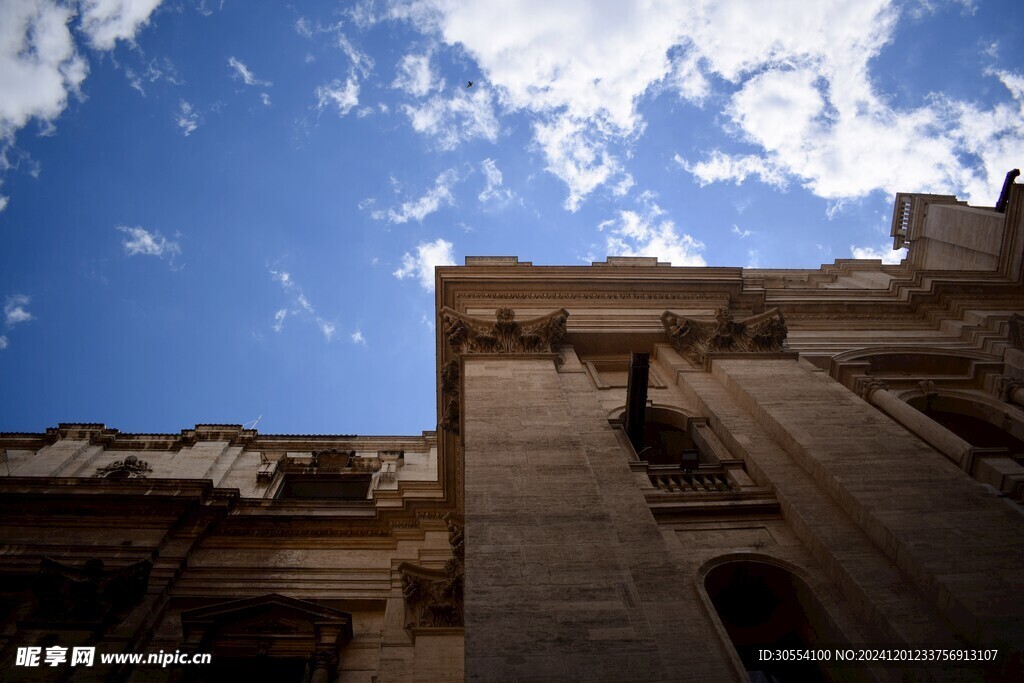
{"x": 946, "y": 442}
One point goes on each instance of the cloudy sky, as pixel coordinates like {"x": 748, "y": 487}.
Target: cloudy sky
{"x": 213, "y": 210}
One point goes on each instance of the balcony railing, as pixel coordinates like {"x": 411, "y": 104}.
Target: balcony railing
{"x": 707, "y": 481}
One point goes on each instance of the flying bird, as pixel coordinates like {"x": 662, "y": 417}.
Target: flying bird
{"x": 469, "y": 84}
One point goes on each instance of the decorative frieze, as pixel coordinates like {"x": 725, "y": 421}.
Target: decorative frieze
{"x": 694, "y": 338}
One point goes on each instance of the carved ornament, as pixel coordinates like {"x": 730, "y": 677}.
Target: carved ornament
{"x": 870, "y": 386}
{"x": 433, "y": 598}
{"x": 466, "y": 334}
{"x": 694, "y": 338}
{"x": 129, "y": 468}
{"x": 1007, "y": 386}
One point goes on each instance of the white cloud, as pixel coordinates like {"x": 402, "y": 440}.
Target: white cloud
{"x": 797, "y": 81}
{"x": 883, "y": 253}
{"x": 357, "y": 337}
{"x": 265, "y": 99}
{"x": 344, "y": 97}
{"x": 415, "y": 76}
{"x": 436, "y": 197}
{"x": 362, "y": 63}
{"x": 283, "y": 277}
{"x": 743, "y": 234}
{"x": 576, "y": 156}
{"x": 3, "y": 201}
{"x": 467, "y": 115}
{"x": 243, "y": 72}
{"x": 39, "y": 64}
{"x": 577, "y": 68}
{"x": 303, "y": 27}
{"x": 687, "y": 78}
{"x": 651, "y": 233}
{"x": 15, "y": 312}
{"x": 421, "y": 264}
{"x": 107, "y": 21}
{"x": 140, "y": 241}
{"x": 155, "y": 70}
{"x": 301, "y": 307}
{"x": 187, "y": 118}
{"x": 720, "y": 166}
{"x": 494, "y": 190}
{"x": 279, "y": 317}
{"x": 3, "y": 342}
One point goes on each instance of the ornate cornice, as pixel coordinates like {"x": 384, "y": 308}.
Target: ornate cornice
{"x": 765, "y": 332}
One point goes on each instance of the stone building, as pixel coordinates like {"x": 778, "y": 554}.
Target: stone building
{"x": 639, "y": 473}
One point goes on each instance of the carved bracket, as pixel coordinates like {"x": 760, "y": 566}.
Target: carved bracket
{"x": 694, "y": 338}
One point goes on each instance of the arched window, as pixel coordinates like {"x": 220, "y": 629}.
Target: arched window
{"x": 763, "y": 606}
{"x": 979, "y": 424}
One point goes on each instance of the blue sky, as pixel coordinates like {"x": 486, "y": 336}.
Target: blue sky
{"x": 212, "y": 211}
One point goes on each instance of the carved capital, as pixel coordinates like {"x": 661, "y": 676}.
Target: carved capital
{"x": 433, "y": 597}
{"x": 869, "y": 386}
{"x": 694, "y": 338}
{"x": 466, "y": 334}
{"x": 1007, "y": 386}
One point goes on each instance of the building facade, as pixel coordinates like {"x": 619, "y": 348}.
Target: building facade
{"x": 639, "y": 473}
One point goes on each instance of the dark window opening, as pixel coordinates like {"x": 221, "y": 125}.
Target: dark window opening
{"x": 977, "y": 432}
{"x": 763, "y": 606}
{"x": 324, "y": 487}
{"x": 666, "y": 444}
